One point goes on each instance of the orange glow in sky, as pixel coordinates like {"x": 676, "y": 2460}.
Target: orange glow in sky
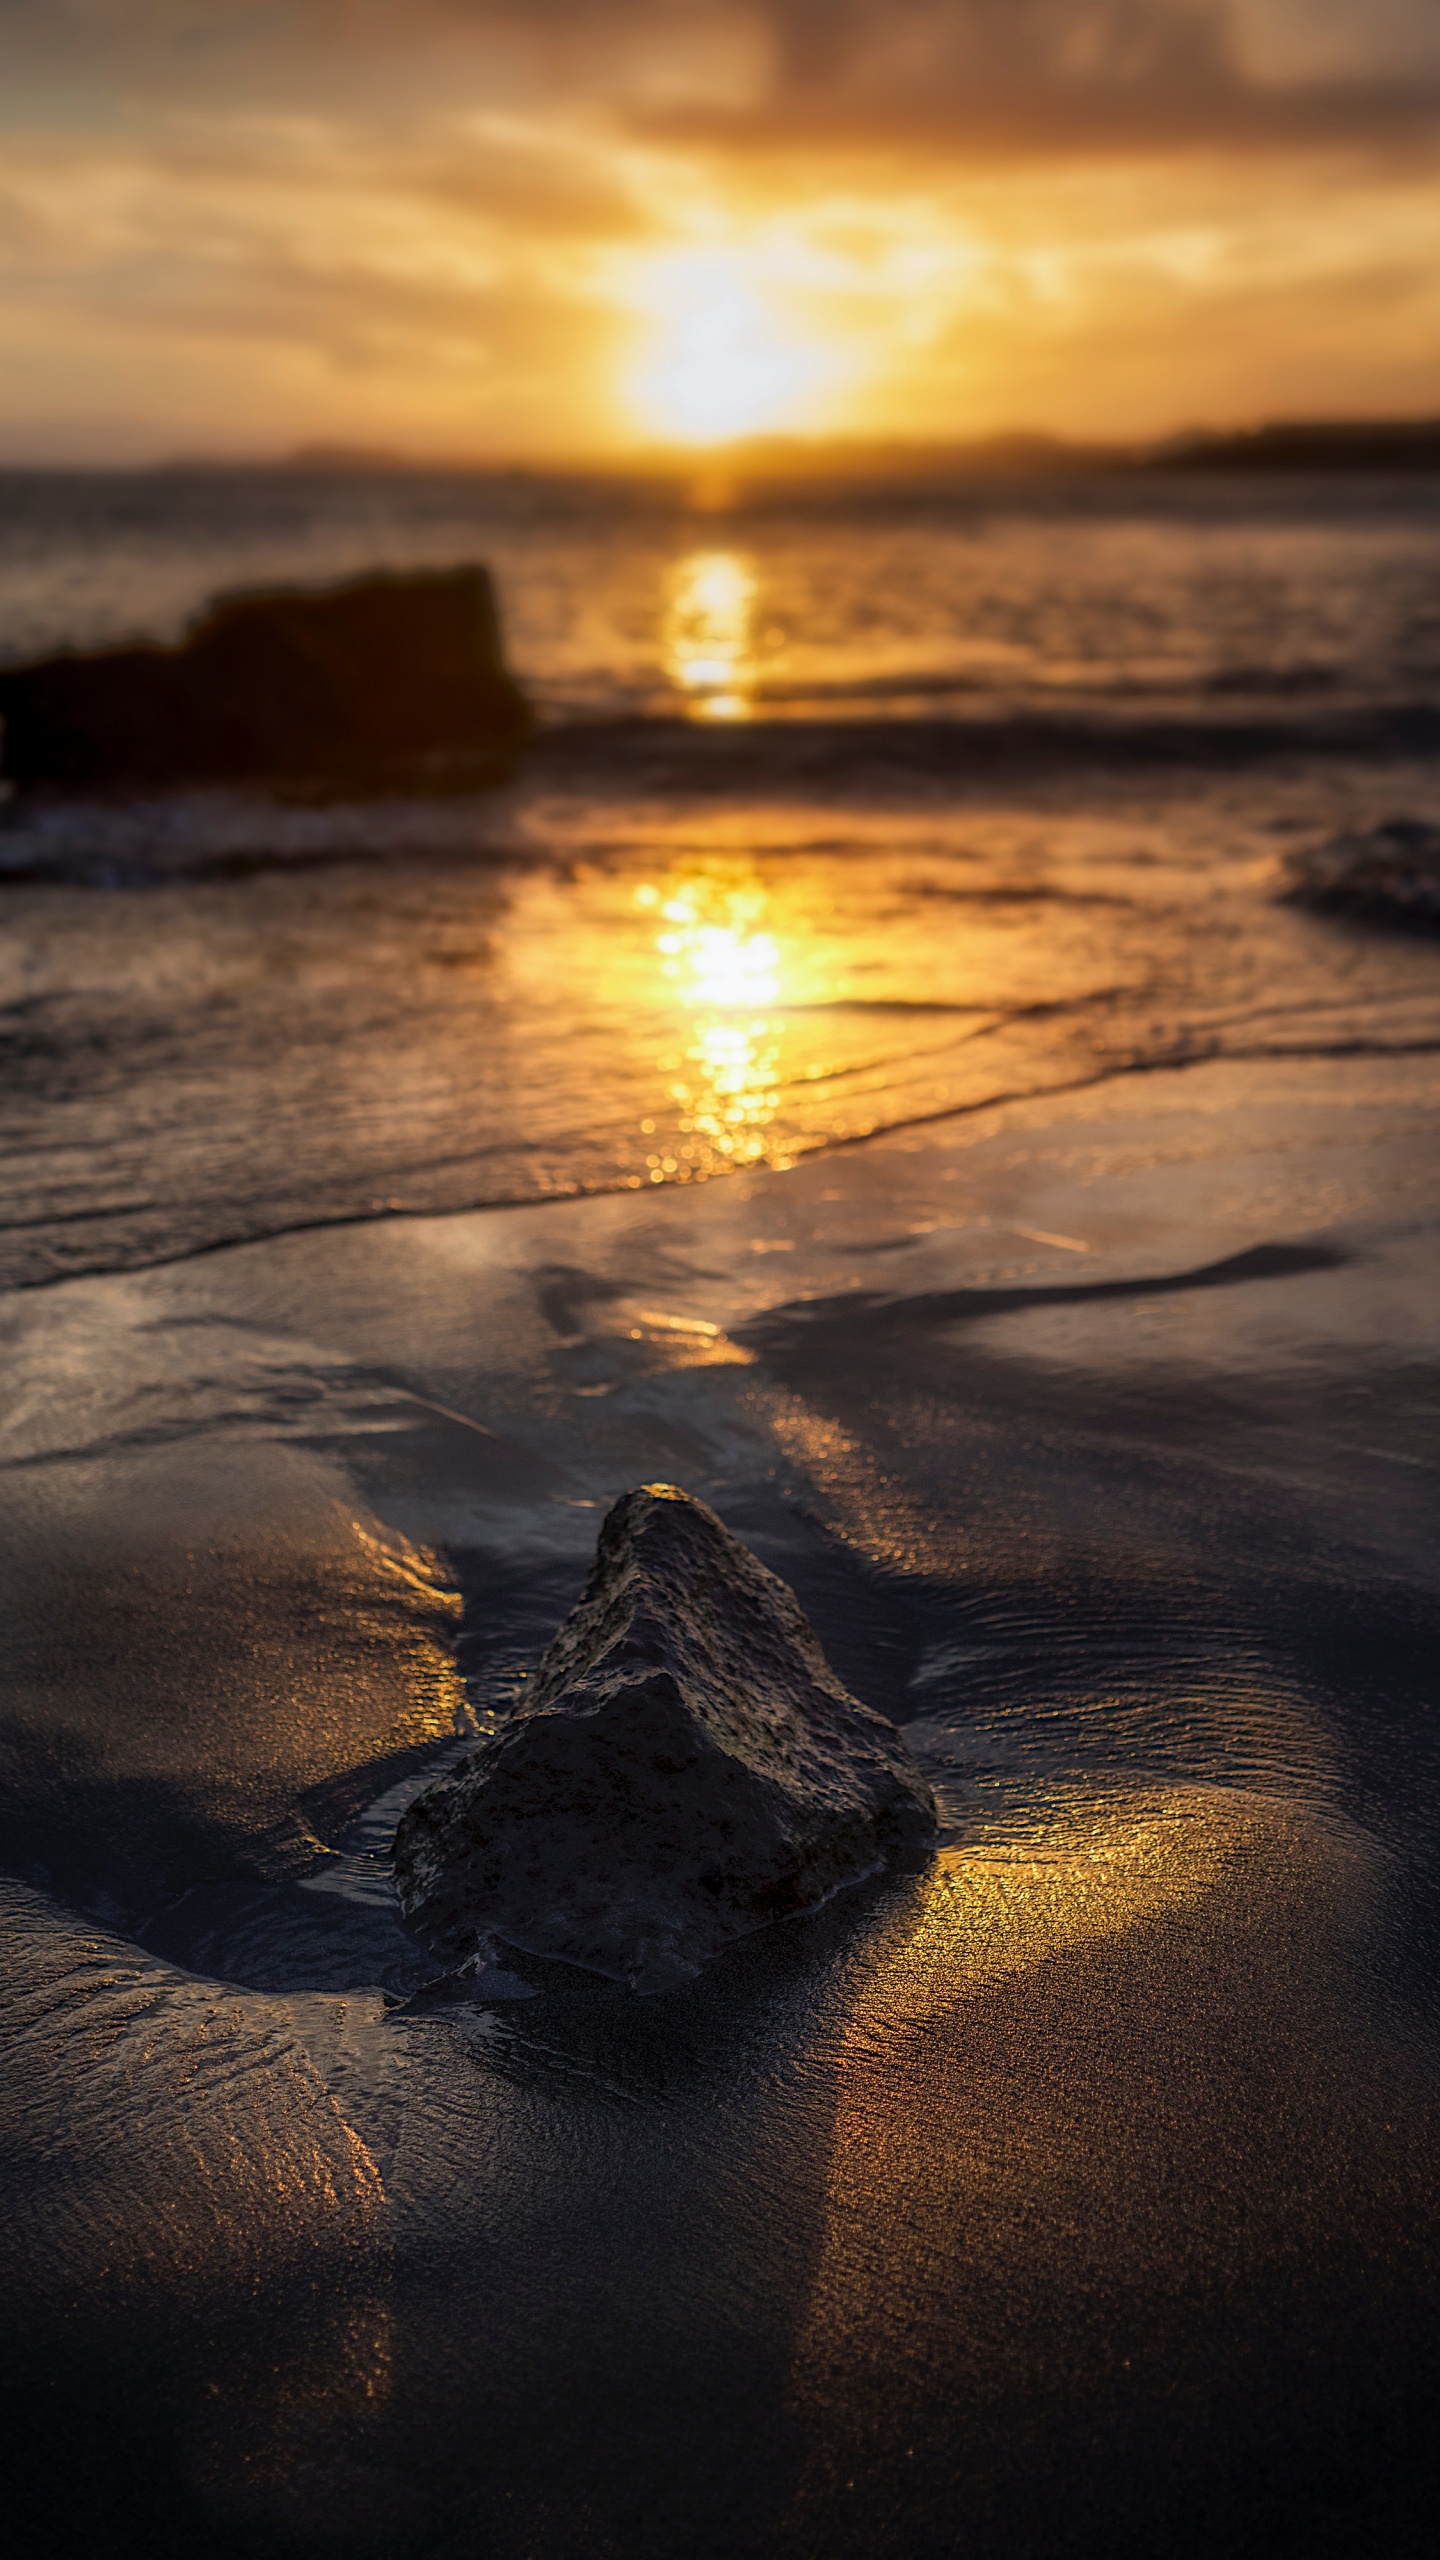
{"x": 616, "y": 223}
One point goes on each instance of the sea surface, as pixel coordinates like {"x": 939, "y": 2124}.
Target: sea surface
{"x": 869, "y": 1070}
{"x": 853, "y": 807}
{"x": 1130, "y": 594}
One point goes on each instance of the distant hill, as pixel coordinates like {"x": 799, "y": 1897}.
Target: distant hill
{"x": 1347, "y": 444}
{"x": 1298, "y": 445}
{"x": 1303, "y": 444}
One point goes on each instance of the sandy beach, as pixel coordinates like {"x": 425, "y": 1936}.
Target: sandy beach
{"x": 1085, "y": 2187}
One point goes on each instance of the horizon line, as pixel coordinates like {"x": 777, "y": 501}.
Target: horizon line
{"x": 1269, "y": 440}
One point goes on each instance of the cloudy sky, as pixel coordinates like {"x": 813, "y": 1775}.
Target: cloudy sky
{"x": 542, "y": 226}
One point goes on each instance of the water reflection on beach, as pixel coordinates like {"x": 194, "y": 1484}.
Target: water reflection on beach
{"x": 1058, "y": 2069}
{"x": 1090, "y": 1866}
{"x": 717, "y": 955}
{"x": 668, "y": 991}
{"x": 708, "y": 648}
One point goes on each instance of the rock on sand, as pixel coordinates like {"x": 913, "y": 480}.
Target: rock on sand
{"x": 685, "y": 1768}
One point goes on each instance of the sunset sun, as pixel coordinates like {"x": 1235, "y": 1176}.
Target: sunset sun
{"x": 721, "y": 358}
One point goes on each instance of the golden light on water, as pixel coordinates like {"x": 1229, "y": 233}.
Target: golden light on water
{"x": 725, "y": 966}
{"x": 711, "y": 945}
{"x": 1088, "y": 1870}
{"x": 773, "y": 1011}
{"x": 765, "y": 998}
{"x": 709, "y": 651}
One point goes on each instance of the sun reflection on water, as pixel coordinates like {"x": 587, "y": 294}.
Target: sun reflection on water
{"x": 708, "y": 646}
{"x": 725, "y": 966}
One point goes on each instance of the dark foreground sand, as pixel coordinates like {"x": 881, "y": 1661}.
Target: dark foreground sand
{"x": 1082, "y": 2196}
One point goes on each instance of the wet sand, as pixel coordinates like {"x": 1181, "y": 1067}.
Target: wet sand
{"x": 1080, "y": 2196}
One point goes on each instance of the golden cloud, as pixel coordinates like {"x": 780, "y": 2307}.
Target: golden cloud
{"x": 478, "y": 227}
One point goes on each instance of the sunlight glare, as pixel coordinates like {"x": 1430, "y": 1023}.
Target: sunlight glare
{"x": 707, "y": 642}
{"x": 711, "y": 950}
{"x": 722, "y": 362}
{"x": 722, "y": 965}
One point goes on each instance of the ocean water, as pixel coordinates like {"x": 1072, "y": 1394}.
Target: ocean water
{"x": 631, "y": 597}
{"x": 865, "y": 1070}
{"x": 852, "y": 809}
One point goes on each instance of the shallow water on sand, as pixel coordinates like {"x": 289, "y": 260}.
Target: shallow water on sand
{"x": 590, "y": 989}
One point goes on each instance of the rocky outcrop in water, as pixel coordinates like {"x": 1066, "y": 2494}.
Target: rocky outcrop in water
{"x": 382, "y": 683}
{"x": 1391, "y": 872}
{"x": 685, "y": 1769}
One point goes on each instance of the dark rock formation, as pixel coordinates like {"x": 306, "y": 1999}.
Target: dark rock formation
{"x": 1391, "y": 872}
{"x": 685, "y": 1769}
{"x": 383, "y": 683}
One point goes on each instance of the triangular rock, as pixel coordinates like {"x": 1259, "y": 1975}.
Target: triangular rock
{"x": 684, "y": 1769}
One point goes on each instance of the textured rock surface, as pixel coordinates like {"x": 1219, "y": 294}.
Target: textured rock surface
{"x": 383, "y": 682}
{"x": 685, "y": 1768}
